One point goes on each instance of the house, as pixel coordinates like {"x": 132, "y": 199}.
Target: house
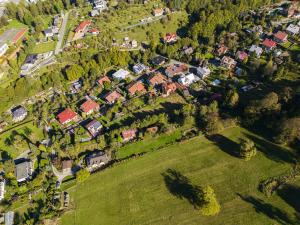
{"x": 128, "y": 135}
{"x": 258, "y": 29}
{"x": 75, "y": 86}
{"x": 176, "y": 69}
{"x": 89, "y": 106}
{"x": 56, "y": 20}
{"x": 158, "y": 12}
{"x": 103, "y": 80}
{"x": 67, "y": 116}
{"x": 134, "y": 44}
{"x": 241, "y": 56}
{"x": 94, "y": 31}
{"x": 100, "y": 5}
{"x": 121, "y": 74}
{"x": 187, "y": 80}
{"x": 2, "y": 189}
{"x": 66, "y": 165}
{"x": 136, "y": 88}
{"x": 256, "y": 50}
{"x": 94, "y": 13}
{"x": 268, "y": 44}
{"x": 94, "y": 127}
{"x": 158, "y": 61}
{"x": 293, "y": 29}
{"x": 156, "y": 79}
{"x": 30, "y": 61}
{"x": 23, "y": 170}
{"x": 3, "y": 48}
{"x": 188, "y": 51}
{"x": 292, "y": 10}
{"x": 280, "y": 37}
{"x": 19, "y": 113}
{"x": 221, "y": 50}
{"x": 81, "y": 29}
{"x": 96, "y": 160}
{"x": 112, "y": 97}
{"x": 203, "y": 72}
{"x": 9, "y": 218}
{"x": 168, "y": 88}
{"x": 48, "y": 33}
{"x": 139, "y": 68}
{"x": 170, "y": 38}
{"x": 228, "y": 62}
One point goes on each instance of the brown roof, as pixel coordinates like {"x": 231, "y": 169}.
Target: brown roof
{"x": 89, "y": 106}
{"x": 103, "y": 79}
{"x": 135, "y": 87}
{"x": 129, "y": 134}
{"x": 176, "y": 69}
{"x": 113, "y": 96}
{"x": 169, "y": 88}
{"x": 156, "y": 79}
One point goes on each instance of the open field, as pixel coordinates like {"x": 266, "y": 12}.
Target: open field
{"x": 44, "y": 47}
{"x": 135, "y": 191}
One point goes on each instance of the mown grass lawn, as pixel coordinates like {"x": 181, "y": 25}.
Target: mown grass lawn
{"x": 44, "y": 47}
{"x": 135, "y": 192}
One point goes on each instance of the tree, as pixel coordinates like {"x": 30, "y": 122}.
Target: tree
{"x": 82, "y": 175}
{"x": 231, "y": 98}
{"x": 74, "y": 72}
{"x": 210, "y": 205}
{"x": 247, "y": 149}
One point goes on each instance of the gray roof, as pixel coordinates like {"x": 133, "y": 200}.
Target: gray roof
{"x": 96, "y": 159}
{"x": 23, "y": 170}
{"x": 19, "y": 112}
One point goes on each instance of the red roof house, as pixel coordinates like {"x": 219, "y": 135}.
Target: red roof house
{"x": 169, "y": 88}
{"x": 241, "y": 56}
{"x": 89, "y": 106}
{"x": 112, "y": 97}
{"x": 280, "y": 36}
{"x": 94, "y": 31}
{"x": 128, "y": 135}
{"x": 67, "y": 116}
{"x": 269, "y": 44}
{"x": 81, "y": 29}
{"x": 102, "y": 80}
{"x": 156, "y": 79}
{"x": 136, "y": 87}
{"x": 221, "y": 50}
{"x": 175, "y": 69}
{"x": 170, "y": 38}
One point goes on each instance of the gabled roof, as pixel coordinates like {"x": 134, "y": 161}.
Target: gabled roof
{"x": 281, "y": 35}
{"x": 89, "y": 105}
{"x": 176, "y": 69}
{"x": 135, "y": 87}
{"x": 112, "y": 96}
{"x": 129, "y": 134}
{"x": 156, "y": 79}
{"x": 269, "y": 43}
{"x": 83, "y": 25}
{"x": 103, "y": 79}
{"x": 67, "y": 114}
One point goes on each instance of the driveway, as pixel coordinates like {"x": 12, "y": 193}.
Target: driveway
{"x": 61, "y": 34}
{"x": 61, "y": 175}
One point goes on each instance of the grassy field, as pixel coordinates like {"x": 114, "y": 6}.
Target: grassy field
{"x": 44, "y": 47}
{"x": 135, "y": 192}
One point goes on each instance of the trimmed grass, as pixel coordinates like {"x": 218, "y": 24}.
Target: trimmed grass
{"x": 44, "y": 47}
{"x": 135, "y": 191}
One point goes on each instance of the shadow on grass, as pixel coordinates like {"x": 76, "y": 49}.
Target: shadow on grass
{"x": 225, "y": 144}
{"x": 181, "y": 187}
{"x": 272, "y": 151}
{"x": 290, "y": 194}
{"x": 269, "y": 210}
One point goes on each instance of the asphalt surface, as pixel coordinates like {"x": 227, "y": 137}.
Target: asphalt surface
{"x": 61, "y": 34}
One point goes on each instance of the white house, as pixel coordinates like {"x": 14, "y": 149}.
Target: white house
{"x": 2, "y": 189}
{"x": 121, "y": 74}
{"x": 139, "y": 68}
{"x": 100, "y": 5}
{"x": 188, "y": 79}
{"x": 256, "y": 50}
{"x": 3, "y": 48}
{"x": 203, "y": 72}
{"x": 293, "y": 29}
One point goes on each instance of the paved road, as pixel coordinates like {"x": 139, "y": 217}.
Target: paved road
{"x": 61, "y": 34}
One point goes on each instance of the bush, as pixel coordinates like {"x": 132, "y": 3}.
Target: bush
{"x": 210, "y": 205}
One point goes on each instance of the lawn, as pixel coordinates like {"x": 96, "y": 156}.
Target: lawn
{"x": 44, "y": 47}
{"x": 135, "y": 191}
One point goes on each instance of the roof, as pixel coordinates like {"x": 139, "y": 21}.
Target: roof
{"x": 66, "y": 164}
{"x": 156, "y": 79}
{"x": 158, "y": 60}
{"x": 112, "y": 96}
{"x": 19, "y": 35}
{"x": 67, "y": 114}
{"x": 169, "y": 87}
{"x": 23, "y": 170}
{"x": 241, "y": 55}
{"x": 170, "y": 37}
{"x": 129, "y": 134}
{"x": 83, "y": 26}
{"x": 135, "y": 87}
{"x": 94, "y": 30}
{"x": 121, "y": 74}
{"x": 175, "y": 69}
{"x": 103, "y": 79}
{"x": 94, "y": 124}
{"x": 18, "y": 111}
{"x": 89, "y": 105}
{"x": 281, "y": 35}
{"x": 96, "y": 159}
{"x": 269, "y": 43}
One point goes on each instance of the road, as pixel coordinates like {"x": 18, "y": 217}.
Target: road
{"x": 61, "y": 175}
{"x": 61, "y": 34}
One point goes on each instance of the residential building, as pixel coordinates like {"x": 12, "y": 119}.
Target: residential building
{"x": 94, "y": 127}
{"x": 89, "y": 107}
{"x": 293, "y": 29}
{"x": 103, "y": 80}
{"x": 176, "y": 69}
{"x": 94, "y": 31}
{"x": 156, "y": 79}
{"x": 168, "y": 88}
{"x": 188, "y": 79}
{"x": 96, "y": 160}
{"x": 228, "y": 62}
{"x": 9, "y": 218}
{"x": 2, "y": 189}
{"x": 241, "y": 56}
{"x": 81, "y": 29}
{"x": 66, "y": 165}
{"x": 268, "y": 44}
{"x": 136, "y": 87}
{"x": 19, "y": 113}
{"x": 100, "y": 5}
{"x": 134, "y": 44}
{"x": 281, "y": 37}
{"x": 256, "y": 50}
{"x": 3, "y": 48}
{"x": 139, "y": 68}
{"x": 48, "y": 33}
{"x": 23, "y": 170}
{"x": 221, "y": 50}
{"x": 203, "y": 72}
{"x": 30, "y": 61}
{"x": 158, "y": 61}
{"x": 94, "y": 13}
{"x": 112, "y": 97}
{"x": 121, "y": 74}
{"x": 170, "y": 38}
{"x": 158, "y": 12}
{"x": 128, "y": 135}
{"x": 67, "y": 116}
